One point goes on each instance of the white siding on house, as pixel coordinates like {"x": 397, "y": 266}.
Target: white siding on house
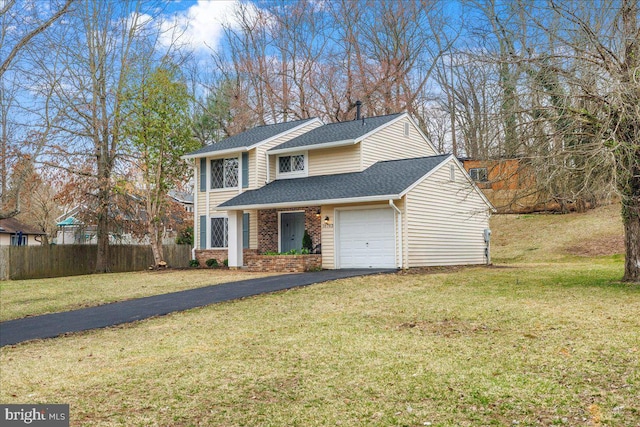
{"x": 445, "y": 221}
{"x": 332, "y": 161}
{"x": 390, "y": 143}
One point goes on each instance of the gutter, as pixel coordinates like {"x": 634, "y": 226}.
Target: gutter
{"x": 296, "y": 204}
{"x": 332, "y": 144}
{"x": 399, "y": 231}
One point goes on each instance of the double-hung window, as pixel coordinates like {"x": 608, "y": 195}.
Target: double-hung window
{"x": 224, "y": 173}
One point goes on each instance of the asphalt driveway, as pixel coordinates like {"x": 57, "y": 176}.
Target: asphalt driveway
{"x": 53, "y": 325}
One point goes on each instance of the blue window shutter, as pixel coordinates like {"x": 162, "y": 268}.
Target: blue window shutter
{"x": 203, "y": 232}
{"x": 245, "y": 231}
{"x": 245, "y": 170}
{"x": 203, "y": 175}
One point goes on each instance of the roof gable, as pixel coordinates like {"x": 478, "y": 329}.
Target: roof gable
{"x": 341, "y": 132}
{"x": 250, "y": 138}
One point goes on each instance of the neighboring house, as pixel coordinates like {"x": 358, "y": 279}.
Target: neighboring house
{"x": 371, "y": 193}
{"x": 184, "y": 199}
{"x": 509, "y": 184}
{"x": 16, "y": 233}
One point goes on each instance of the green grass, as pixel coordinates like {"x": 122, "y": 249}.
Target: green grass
{"x": 544, "y": 238}
{"x": 22, "y": 298}
{"x": 551, "y": 340}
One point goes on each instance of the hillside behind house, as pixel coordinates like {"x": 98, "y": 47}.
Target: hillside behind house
{"x": 553, "y": 237}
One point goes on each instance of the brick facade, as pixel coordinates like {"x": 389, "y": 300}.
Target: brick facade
{"x": 284, "y": 263}
{"x": 202, "y": 255}
{"x": 268, "y": 227}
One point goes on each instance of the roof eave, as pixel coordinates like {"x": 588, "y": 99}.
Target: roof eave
{"x": 321, "y": 202}
{"x": 332, "y": 144}
{"x": 249, "y": 147}
{"x": 215, "y": 153}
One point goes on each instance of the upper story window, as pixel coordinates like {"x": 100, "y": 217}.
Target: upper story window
{"x": 224, "y": 173}
{"x": 292, "y": 166}
{"x": 479, "y": 174}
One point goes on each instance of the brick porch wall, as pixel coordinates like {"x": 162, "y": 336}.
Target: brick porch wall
{"x": 284, "y": 263}
{"x": 268, "y": 227}
{"x": 202, "y": 255}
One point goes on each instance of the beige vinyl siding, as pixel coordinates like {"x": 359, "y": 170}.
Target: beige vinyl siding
{"x": 390, "y": 143}
{"x": 332, "y": 161}
{"x": 217, "y": 197}
{"x": 445, "y": 221}
{"x": 253, "y": 176}
{"x": 253, "y": 229}
{"x": 328, "y": 233}
{"x": 261, "y": 150}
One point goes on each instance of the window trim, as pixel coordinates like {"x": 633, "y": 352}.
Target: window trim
{"x": 24, "y": 240}
{"x": 477, "y": 179}
{"x": 238, "y": 173}
{"x": 295, "y": 174}
{"x": 226, "y": 226}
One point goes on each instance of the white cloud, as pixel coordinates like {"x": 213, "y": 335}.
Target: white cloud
{"x": 201, "y": 25}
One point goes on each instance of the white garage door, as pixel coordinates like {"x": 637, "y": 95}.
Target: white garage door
{"x": 366, "y": 239}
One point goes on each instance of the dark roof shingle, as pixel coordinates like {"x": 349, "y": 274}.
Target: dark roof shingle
{"x": 333, "y": 132}
{"x": 250, "y": 137}
{"x": 381, "y": 179}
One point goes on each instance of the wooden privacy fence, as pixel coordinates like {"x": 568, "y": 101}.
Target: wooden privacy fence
{"x": 35, "y": 262}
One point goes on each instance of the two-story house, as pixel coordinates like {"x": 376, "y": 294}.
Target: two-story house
{"x": 371, "y": 193}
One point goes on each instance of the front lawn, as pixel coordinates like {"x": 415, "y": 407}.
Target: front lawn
{"x": 20, "y": 298}
{"x": 526, "y": 345}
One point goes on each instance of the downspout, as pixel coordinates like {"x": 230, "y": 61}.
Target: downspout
{"x": 399, "y": 231}
{"x": 196, "y": 189}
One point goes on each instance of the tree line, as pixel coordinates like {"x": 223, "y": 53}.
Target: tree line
{"x": 554, "y": 83}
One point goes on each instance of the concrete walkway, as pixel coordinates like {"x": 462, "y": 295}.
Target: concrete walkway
{"x": 53, "y": 325}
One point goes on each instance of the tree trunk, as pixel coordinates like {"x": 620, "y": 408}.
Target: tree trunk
{"x": 632, "y": 244}
{"x": 102, "y": 227}
{"x": 156, "y": 244}
{"x": 631, "y": 220}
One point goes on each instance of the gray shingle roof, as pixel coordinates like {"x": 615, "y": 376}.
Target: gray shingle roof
{"x": 250, "y": 137}
{"x": 334, "y": 132}
{"x": 381, "y": 179}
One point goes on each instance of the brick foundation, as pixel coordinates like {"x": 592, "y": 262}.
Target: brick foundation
{"x": 283, "y": 263}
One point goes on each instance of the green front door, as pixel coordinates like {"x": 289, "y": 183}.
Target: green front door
{"x": 291, "y": 231}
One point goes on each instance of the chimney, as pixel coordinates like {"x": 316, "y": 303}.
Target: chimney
{"x": 358, "y": 106}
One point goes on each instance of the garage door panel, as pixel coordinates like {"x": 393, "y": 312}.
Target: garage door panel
{"x": 366, "y": 239}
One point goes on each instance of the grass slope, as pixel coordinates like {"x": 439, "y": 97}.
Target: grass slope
{"x": 551, "y": 340}
{"x": 542, "y": 238}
